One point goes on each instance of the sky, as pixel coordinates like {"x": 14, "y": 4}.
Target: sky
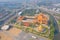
{"x": 26, "y": 0}
{"x": 18, "y": 0}
{"x": 11, "y": 0}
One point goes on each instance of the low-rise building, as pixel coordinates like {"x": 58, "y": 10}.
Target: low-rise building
{"x": 5, "y": 27}
{"x": 42, "y": 18}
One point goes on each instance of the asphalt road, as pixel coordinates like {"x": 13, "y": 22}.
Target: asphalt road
{"x": 28, "y": 36}
{"x": 57, "y": 37}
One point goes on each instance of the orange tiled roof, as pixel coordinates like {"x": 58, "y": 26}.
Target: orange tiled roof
{"x": 42, "y": 18}
{"x": 20, "y": 18}
{"x": 26, "y": 23}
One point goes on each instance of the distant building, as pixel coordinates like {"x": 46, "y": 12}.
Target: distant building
{"x": 19, "y": 13}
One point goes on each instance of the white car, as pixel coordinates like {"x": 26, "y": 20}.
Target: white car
{"x": 34, "y": 37}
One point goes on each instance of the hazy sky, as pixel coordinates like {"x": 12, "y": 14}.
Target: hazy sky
{"x": 17, "y": 0}
{"x": 24, "y": 0}
{"x": 7, "y": 0}
{"x": 10, "y": 0}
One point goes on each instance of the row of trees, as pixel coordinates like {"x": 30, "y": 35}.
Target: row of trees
{"x": 52, "y": 30}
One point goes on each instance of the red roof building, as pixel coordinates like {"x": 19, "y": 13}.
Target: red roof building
{"x": 26, "y": 23}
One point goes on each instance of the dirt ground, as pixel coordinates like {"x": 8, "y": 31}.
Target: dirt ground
{"x": 9, "y": 35}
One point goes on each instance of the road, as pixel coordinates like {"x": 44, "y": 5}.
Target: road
{"x": 27, "y": 36}
{"x": 9, "y": 17}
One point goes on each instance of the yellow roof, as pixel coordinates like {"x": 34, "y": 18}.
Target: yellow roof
{"x": 40, "y": 28}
